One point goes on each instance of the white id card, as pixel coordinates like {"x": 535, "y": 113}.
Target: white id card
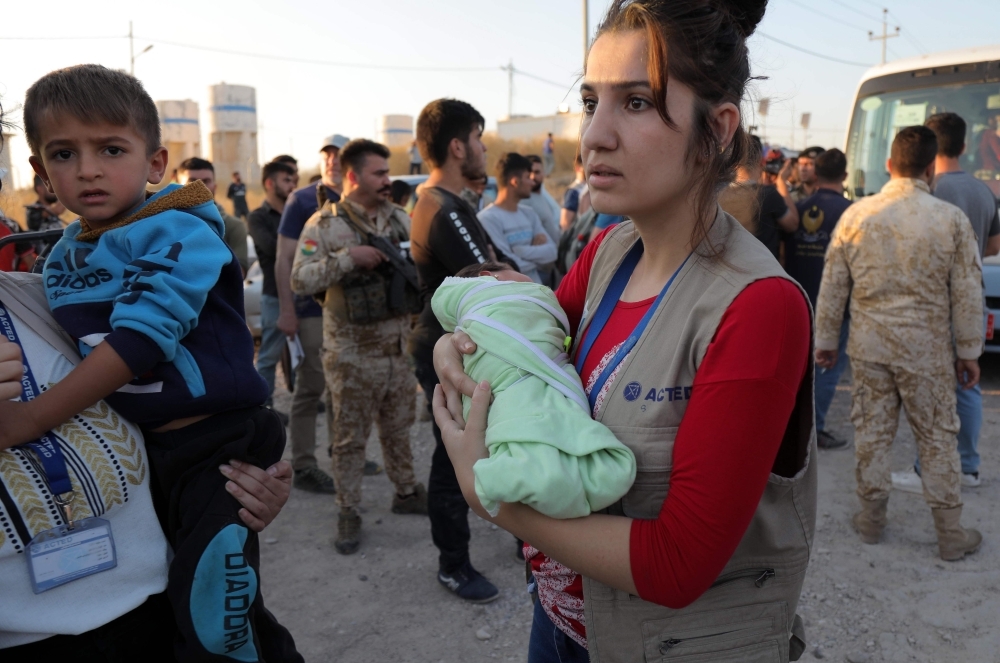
{"x": 61, "y": 555}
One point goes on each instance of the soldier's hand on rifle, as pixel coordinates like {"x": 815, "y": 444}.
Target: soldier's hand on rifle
{"x": 967, "y": 371}
{"x": 11, "y": 369}
{"x": 367, "y": 257}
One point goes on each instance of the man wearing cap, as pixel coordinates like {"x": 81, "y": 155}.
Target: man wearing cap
{"x": 302, "y": 316}
{"x": 806, "y": 166}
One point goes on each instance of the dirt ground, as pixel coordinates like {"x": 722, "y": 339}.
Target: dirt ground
{"x": 894, "y": 602}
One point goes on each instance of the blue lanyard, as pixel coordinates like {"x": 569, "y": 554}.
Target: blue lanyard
{"x": 46, "y": 448}
{"x": 604, "y": 310}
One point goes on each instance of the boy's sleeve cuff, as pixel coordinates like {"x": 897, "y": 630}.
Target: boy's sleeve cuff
{"x": 138, "y": 351}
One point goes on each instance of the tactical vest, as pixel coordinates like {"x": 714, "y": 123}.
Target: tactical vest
{"x": 748, "y": 614}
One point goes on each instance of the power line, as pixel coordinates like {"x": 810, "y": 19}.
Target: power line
{"x": 828, "y": 16}
{"x": 327, "y": 63}
{"x": 856, "y": 11}
{"x": 906, "y": 33}
{"x": 813, "y": 53}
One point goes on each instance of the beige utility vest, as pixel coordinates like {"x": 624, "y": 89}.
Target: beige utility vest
{"x": 748, "y": 615}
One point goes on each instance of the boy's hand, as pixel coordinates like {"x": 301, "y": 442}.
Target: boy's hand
{"x": 11, "y": 370}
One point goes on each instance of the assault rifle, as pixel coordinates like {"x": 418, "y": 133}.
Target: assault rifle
{"x": 403, "y": 272}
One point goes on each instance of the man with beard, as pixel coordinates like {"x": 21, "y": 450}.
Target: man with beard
{"x": 806, "y": 167}
{"x": 445, "y": 237}
{"x": 364, "y": 335}
{"x": 279, "y": 181}
{"x": 541, "y": 200}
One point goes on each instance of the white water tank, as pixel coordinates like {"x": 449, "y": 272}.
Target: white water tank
{"x": 396, "y": 130}
{"x": 180, "y": 131}
{"x": 232, "y": 126}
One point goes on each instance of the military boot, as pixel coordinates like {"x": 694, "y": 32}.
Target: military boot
{"x": 871, "y": 520}
{"x": 954, "y": 541}
{"x": 348, "y": 532}
{"x": 414, "y": 503}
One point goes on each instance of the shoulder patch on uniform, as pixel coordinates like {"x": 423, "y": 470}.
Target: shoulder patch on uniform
{"x": 309, "y": 247}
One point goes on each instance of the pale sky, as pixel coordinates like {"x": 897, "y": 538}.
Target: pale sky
{"x": 299, "y": 103}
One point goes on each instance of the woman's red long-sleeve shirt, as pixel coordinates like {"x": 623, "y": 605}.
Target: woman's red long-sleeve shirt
{"x": 743, "y": 395}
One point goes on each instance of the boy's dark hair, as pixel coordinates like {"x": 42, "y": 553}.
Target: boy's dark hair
{"x": 91, "y": 93}
{"x": 913, "y": 149}
{"x": 196, "y": 163}
{"x": 831, "y": 166}
{"x": 950, "y": 131}
{"x": 399, "y": 190}
{"x": 286, "y": 158}
{"x": 472, "y": 271}
{"x": 353, "y": 154}
{"x": 273, "y": 168}
{"x": 511, "y": 165}
{"x": 439, "y": 123}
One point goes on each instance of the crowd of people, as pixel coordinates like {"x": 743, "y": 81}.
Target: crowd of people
{"x": 128, "y": 375}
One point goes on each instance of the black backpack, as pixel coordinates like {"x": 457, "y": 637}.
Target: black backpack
{"x": 573, "y": 239}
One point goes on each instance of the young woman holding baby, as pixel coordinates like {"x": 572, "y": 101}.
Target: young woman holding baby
{"x": 694, "y": 347}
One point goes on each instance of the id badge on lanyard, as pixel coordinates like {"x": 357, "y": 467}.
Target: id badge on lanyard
{"x": 77, "y": 548}
{"x": 603, "y": 313}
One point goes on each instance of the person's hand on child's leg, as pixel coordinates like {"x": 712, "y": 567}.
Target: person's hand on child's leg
{"x": 262, "y": 492}
{"x": 11, "y": 370}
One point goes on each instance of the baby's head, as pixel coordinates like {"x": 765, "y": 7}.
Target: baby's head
{"x": 94, "y": 135}
{"x": 501, "y": 271}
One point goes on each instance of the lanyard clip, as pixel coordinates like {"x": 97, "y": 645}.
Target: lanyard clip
{"x": 65, "y": 505}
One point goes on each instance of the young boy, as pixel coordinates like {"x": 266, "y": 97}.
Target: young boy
{"x": 545, "y": 449}
{"x": 154, "y": 298}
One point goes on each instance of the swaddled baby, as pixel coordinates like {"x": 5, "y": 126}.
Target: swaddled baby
{"x": 545, "y": 450}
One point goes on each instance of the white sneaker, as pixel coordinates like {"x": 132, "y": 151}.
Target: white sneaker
{"x": 908, "y": 482}
{"x": 971, "y": 480}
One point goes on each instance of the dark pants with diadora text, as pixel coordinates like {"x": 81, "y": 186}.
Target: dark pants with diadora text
{"x": 446, "y": 506}
{"x": 214, "y": 579}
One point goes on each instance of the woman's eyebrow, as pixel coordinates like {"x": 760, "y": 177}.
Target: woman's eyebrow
{"x": 620, "y": 85}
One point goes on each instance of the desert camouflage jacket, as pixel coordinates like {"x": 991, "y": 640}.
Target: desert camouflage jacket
{"x": 910, "y": 265}
{"x": 323, "y": 260}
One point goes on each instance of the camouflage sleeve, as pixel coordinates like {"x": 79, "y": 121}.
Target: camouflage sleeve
{"x": 966, "y": 285}
{"x": 236, "y": 239}
{"x": 318, "y": 263}
{"x": 834, "y": 290}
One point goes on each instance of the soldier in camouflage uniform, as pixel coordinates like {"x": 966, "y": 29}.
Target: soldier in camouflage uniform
{"x": 910, "y": 266}
{"x": 366, "y": 370}
{"x": 805, "y": 165}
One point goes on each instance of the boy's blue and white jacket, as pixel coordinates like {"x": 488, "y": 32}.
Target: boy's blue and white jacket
{"x": 164, "y": 290}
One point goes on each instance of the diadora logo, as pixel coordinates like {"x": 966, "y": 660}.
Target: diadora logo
{"x": 632, "y": 391}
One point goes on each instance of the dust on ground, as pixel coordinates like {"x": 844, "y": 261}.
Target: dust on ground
{"x": 894, "y": 602}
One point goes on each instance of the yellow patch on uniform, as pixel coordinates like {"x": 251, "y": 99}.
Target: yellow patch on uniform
{"x": 309, "y": 247}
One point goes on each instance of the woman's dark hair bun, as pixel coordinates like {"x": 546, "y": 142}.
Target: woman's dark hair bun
{"x": 746, "y": 14}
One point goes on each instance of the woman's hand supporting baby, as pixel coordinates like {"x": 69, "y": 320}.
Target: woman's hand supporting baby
{"x": 451, "y": 371}
{"x": 11, "y": 369}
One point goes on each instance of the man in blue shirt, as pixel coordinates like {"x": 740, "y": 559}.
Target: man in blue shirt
{"x": 302, "y": 316}
{"x": 805, "y": 254}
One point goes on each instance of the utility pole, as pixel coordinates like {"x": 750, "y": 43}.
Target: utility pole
{"x": 131, "y": 50}
{"x": 885, "y": 33}
{"x": 586, "y": 31}
{"x": 510, "y": 88}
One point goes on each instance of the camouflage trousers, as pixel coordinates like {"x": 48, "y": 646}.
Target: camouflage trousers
{"x": 930, "y": 405}
{"x": 366, "y": 389}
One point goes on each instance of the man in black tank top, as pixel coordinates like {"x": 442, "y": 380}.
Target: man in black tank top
{"x": 445, "y": 236}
